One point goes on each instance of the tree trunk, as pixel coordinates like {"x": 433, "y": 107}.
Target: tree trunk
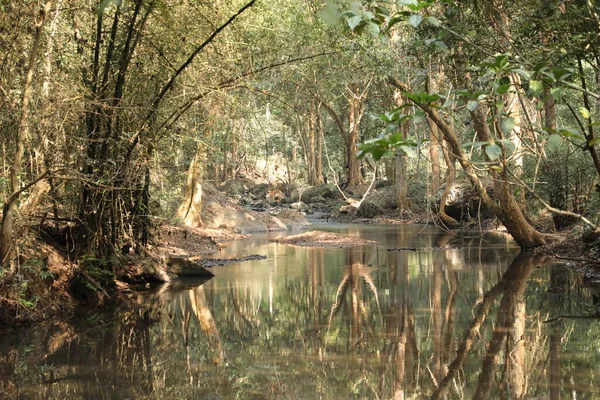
{"x": 508, "y": 210}
{"x": 434, "y": 142}
{"x": 191, "y": 208}
{"x": 356, "y": 110}
{"x": 311, "y": 156}
{"x": 319, "y": 151}
{"x": 401, "y": 173}
{"x": 9, "y": 209}
{"x": 449, "y": 158}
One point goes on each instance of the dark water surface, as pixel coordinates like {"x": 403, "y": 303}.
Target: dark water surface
{"x": 458, "y": 318}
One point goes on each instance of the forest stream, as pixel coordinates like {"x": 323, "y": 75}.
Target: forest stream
{"x": 421, "y": 313}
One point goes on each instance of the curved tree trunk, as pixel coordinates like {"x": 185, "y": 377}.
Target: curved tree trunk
{"x": 446, "y": 219}
{"x": 507, "y": 209}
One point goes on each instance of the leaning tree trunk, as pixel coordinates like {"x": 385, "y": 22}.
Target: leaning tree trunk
{"x": 449, "y": 159}
{"x": 508, "y": 210}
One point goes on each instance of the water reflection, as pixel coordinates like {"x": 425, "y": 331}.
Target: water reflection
{"x": 457, "y": 318}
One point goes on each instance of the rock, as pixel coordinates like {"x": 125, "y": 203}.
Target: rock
{"x": 378, "y": 202}
{"x": 260, "y": 190}
{"x": 307, "y": 194}
{"x": 300, "y": 206}
{"x": 274, "y": 195}
{"x": 369, "y": 210}
{"x": 348, "y": 209}
{"x": 183, "y": 267}
{"x": 222, "y": 215}
{"x": 590, "y": 237}
{"x": 237, "y": 187}
{"x": 463, "y": 202}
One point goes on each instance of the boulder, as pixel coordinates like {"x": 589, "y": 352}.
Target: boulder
{"x": 274, "y": 195}
{"x": 308, "y": 194}
{"x": 183, "y": 267}
{"x": 348, "y": 209}
{"x": 300, "y": 206}
{"x": 237, "y": 187}
{"x": 463, "y": 202}
{"x": 378, "y": 202}
{"x": 225, "y": 216}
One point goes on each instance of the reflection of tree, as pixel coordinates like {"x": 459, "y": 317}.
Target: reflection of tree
{"x": 352, "y": 281}
{"x": 558, "y": 283}
{"x": 510, "y": 314}
{"x": 207, "y": 323}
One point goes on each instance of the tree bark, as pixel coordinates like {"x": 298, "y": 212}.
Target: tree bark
{"x": 319, "y": 151}
{"x": 434, "y": 142}
{"x": 191, "y": 208}
{"x": 356, "y": 109}
{"x": 10, "y": 207}
{"x": 401, "y": 173}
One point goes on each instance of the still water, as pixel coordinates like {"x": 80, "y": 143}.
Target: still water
{"x": 460, "y": 317}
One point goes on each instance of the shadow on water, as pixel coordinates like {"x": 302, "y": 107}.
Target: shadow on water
{"x": 454, "y": 317}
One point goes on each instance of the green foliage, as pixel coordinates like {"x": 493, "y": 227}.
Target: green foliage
{"x": 105, "y": 3}
{"x": 390, "y": 139}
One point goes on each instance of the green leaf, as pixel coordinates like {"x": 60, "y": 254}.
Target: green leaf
{"x": 105, "y": 3}
{"x": 554, "y": 142}
{"x": 571, "y": 133}
{"x": 395, "y": 19}
{"x": 418, "y": 6}
{"x": 409, "y": 2}
{"x": 556, "y": 92}
{"x": 472, "y": 105}
{"x": 329, "y": 14}
{"x": 493, "y": 151}
{"x": 509, "y": 145}
{"x": 422, "y": 97}
{"x": 395, "y": 138}
{"x": 523, "y": 73}
{"x": 507, "y": 125}
{"x": 585, "y": 113}
{"x": 503, "y": 89}
{"x": 433, "y": 21}
{"x": 536, "y": 86}
{"x": 501, "y": 63}
{"x": 561, "y": 74}
{"x": 409, "y": 151}
{"x": 440, "y": 46}
{"x": 374, "y": 29}
{"x": 415, "y": 20}
{"x": 593, "y": 142}
{"x": 354, "y": 21}
{"x": 382, "y": 11}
